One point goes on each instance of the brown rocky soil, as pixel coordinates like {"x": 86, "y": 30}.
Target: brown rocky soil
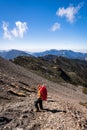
{"x": 62, "y": 110}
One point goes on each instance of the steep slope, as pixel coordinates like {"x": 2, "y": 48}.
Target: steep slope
{"x": 17, "y": 96}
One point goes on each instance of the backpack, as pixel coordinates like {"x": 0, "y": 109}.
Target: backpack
{"x": 43, "y": 92}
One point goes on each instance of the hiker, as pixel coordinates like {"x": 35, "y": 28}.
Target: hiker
{"x": 42, "y": 95}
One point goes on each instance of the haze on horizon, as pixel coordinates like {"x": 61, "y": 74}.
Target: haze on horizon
{"x": 41, "y": 25}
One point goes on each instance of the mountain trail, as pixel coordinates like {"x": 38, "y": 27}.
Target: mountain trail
{"x": 62, "y": 110}
{"x": 57, "y": 115}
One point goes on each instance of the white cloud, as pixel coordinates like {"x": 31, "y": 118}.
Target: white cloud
{"x": 70, "y": 12}
{"x": 18, "y": 31}
{"x": 55, "y": 27}
{"x": 6, "y": 34}
{"x": 15, "y": 32}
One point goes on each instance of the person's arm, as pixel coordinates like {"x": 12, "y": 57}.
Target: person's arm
{"x": 39, "y": 93}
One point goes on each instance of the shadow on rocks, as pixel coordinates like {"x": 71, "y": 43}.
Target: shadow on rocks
{"x": 4, "y": 120}
{"x": 54, "y": 110}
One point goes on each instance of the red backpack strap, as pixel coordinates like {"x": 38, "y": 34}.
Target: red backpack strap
{"x": 43, "y": 91}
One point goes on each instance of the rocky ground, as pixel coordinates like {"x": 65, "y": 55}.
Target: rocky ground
{"x": 62, "y": 110}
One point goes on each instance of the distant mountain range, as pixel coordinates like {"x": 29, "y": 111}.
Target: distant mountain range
{"x": 13, "y": 54}
{"x": 64, "y": 53}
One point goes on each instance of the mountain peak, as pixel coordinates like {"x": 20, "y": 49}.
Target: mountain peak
{"x": 65, "y": 53}
{"x": 11, "y": 54}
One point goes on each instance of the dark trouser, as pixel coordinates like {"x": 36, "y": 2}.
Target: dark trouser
{"x": 38, "y": 104}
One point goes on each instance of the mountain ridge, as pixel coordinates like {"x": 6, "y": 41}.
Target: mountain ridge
{"x": 57, "y": 69}
{"x": 11, "y": 54}
{"x": 64, "y": 53}
{"x": 18, "y": 91}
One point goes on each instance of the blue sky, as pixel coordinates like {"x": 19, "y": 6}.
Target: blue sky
{"x": 38, "y": 25}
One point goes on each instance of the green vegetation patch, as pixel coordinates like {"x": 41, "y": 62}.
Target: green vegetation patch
{"x": 84, "y": 104}
{"x": 84, "y": 90}
{"x": 56, "y": 69}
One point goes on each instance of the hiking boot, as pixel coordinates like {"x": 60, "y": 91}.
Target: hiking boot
{"x": 43, "y": 110}
{"x": 36, "y": 110}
